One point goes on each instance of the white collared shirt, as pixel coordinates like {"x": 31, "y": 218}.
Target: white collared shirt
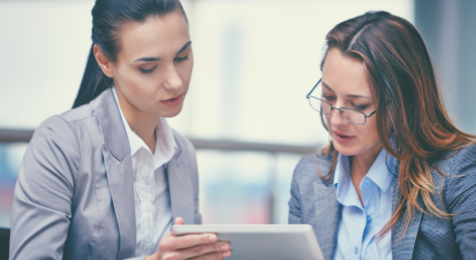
{"x": 151, "y": 190}
{"x": 360, "y": 224}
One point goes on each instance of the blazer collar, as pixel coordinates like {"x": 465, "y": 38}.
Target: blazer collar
{"x": 404, "y": 243}
{"x": 328, "y": 211}
{"x": 117, "y": 159}
{"x": 113, "y": 130}
{"x": 328, "y": 215}
{"x": 181, "y": 188}
{"x": 118, "y": 163}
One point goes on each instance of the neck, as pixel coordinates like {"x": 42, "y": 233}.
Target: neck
{"x": 361, "y": 163}
{"x": 141, "y": 123}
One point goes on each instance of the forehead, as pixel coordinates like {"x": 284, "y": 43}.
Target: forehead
{"x": 345, "y": 75}
{"x": 156, "y": 36}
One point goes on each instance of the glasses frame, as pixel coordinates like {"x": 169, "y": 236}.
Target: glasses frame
{"x": 340, "y": 109}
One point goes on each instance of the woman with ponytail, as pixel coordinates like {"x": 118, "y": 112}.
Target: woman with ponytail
{"x": 398, "y": 179}
{"x": 108, "y": 179}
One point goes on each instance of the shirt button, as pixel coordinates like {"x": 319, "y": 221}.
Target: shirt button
{"x": 356, "y": 250}
{"x": 369, "y": 219}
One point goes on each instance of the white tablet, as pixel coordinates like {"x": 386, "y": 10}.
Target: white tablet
{"x": 262, "y": 242}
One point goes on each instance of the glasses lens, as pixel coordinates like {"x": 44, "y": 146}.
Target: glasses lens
{"x": 319, "y": 106}
{"x": 353, "y": 116}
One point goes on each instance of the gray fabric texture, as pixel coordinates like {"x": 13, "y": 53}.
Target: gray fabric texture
{"x": 314, "y": 202}
{"x": 74, "y": 194}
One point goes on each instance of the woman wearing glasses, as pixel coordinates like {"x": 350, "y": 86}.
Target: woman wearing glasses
{"x": 398, "y": 179}
{"x": 107, "y": 179}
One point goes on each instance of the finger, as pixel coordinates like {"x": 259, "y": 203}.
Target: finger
{"x": 182, "y": 242}
{"x": 170, "y": 234}
{"x": 179, "y": 221}
{"x": 213, "y": 256}
{"x": 204, "y": 250}
{"x": 207, "y": 249}
{"x": 227, "y": 254}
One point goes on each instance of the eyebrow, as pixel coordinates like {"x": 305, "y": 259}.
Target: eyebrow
{"x": 351, "y": 96}
{"x": 146, "y": 59}
{"x": 184, "y": 47}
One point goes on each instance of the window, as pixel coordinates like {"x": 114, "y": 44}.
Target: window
{"x": 254, "y": 63}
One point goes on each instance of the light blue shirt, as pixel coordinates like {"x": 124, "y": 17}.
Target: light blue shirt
{"x": 360, "y": 224}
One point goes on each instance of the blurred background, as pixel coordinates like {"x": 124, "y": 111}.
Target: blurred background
{"x": 246, "y": 111}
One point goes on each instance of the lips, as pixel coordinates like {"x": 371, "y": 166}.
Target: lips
{"x": 173, "y": 101}
{"x": 342, "y": 137}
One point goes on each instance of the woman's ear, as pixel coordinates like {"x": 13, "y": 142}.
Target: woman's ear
{"x": 103, "y": 61}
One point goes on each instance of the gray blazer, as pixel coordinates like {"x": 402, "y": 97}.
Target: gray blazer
{"x": 314, "y": 202}
{"x": 74, "y": 195}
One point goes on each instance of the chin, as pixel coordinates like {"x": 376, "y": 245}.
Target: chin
{"x": 170, "y": 112}
{"x": 346, "y": 150}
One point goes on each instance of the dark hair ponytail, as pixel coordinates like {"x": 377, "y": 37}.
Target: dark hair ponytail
{"x": 94, "y": 82}
{"x": 108, "y": 17}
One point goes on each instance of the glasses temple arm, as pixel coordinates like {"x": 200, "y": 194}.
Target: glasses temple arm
{"x": 307, "y": 96}
{"x": 371, "y": 114}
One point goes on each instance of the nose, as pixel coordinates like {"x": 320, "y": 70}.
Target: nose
{"x": 172, "y": 80}
{"x": 336, "y": 119}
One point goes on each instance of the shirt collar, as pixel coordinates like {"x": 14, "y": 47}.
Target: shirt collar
{"x": 382, "y": 173}
{"x": 343, "y": 181}
{"x": 165, "y": 146}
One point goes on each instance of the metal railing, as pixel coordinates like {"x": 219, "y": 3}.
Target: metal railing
{"x": 15, "y": 135}
{"x": 23, "y": 135}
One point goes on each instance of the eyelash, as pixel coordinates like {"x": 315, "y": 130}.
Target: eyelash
{"x": 331, "y": 98}
{"x": 180, "y": 59}
{"x": 359, "y": 107}
{"x": 144, "y": 71}
{"x": 148, "y": 71}
{"x": 328, "y": 98}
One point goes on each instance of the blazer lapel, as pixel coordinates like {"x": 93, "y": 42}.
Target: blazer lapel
{"x": 328, "y": 213}
{"x": 404, "y": 243}
{"x": 117, "y": 159}
{"x": 181, "y": 189}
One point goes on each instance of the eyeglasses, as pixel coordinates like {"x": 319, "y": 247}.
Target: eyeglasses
{"x": 348, "y": 114}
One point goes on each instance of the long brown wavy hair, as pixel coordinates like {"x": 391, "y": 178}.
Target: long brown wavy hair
{"x": 409, "y": 105}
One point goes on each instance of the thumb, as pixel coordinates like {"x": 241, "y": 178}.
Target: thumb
{"x": 179, "y": 221}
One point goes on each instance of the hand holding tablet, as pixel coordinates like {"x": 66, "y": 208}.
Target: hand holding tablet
{"x": 203, "y": 246}
{"x": 262, "y": 241}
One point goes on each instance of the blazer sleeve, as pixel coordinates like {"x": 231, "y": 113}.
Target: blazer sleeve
{"x": 41, "y": 211}
{"x": 461, "y": 200}
{"x": 190, "y": 158}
